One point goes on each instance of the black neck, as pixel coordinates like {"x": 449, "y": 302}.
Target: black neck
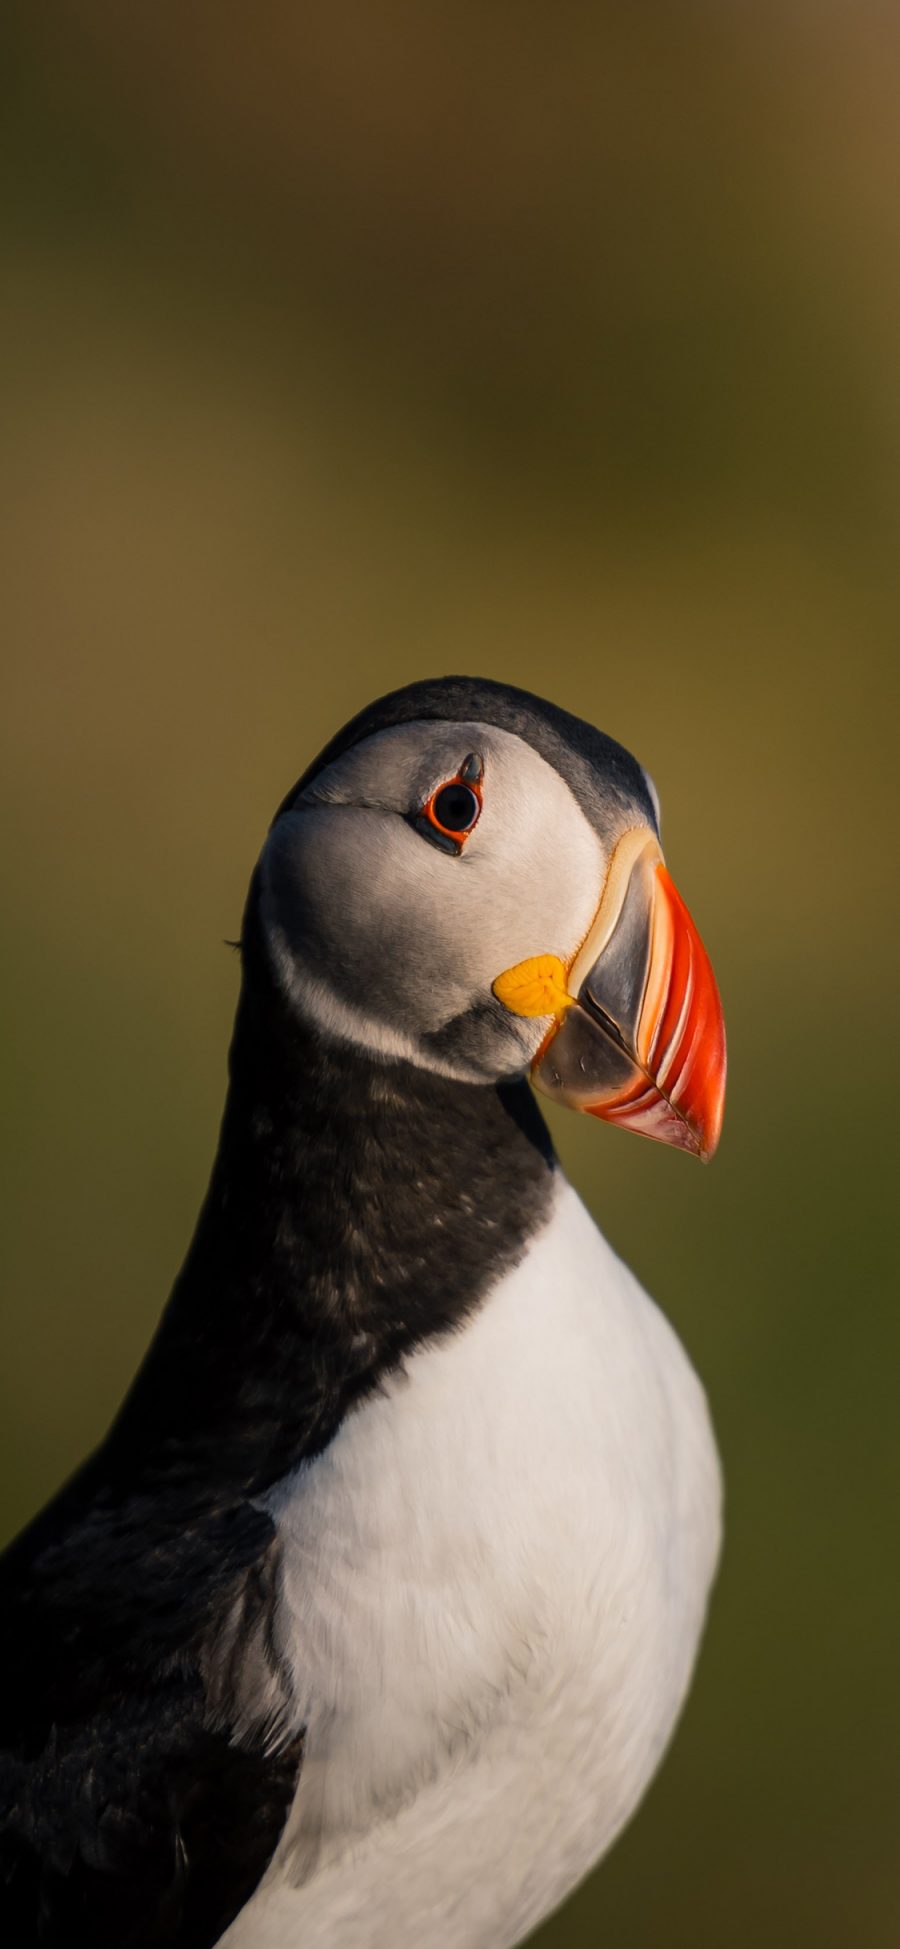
{"x": 357, "y": 1207}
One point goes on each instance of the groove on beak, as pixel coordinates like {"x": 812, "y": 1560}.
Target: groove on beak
{"x": 638, "y": 1035}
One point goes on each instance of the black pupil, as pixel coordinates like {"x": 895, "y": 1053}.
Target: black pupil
{"x": 455, "y": 808}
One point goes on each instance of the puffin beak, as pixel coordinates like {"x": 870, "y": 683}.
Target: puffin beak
{"x": 638, "y": 1035}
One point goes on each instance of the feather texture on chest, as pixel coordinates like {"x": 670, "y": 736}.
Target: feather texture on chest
{"x": 494, "y": 1583}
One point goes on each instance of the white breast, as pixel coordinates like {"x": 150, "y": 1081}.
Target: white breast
{"x": 495, "y": 1582}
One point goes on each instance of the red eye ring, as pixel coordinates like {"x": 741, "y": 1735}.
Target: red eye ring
{"x": 454, "y": 808}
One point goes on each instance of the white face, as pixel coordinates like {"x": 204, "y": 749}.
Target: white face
{"x": 382, "y": 938}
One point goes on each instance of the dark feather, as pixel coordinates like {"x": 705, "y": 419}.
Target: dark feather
{"x": 148, "y": 1751}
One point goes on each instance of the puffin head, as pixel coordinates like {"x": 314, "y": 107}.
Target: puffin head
{"x": 471, "y": 880}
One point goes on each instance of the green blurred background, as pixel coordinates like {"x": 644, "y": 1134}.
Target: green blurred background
{"x": 355, "y": 343}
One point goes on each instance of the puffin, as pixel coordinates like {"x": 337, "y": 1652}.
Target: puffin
{"x": 368, "y": 1622}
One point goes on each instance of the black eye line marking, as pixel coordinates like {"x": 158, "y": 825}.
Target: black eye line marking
{"x": 422, "y": 825}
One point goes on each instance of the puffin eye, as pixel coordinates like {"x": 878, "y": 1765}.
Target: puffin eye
{"x": 447, "y": 818}
{"x": 454, "y": 808}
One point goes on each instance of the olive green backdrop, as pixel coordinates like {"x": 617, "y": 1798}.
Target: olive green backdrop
{"x": 355, "y": 343}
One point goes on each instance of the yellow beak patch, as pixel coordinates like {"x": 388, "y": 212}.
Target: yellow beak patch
{"x": 534, "y": 987}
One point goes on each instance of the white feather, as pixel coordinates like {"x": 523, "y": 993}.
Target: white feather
{"x": 495, "y": 1583}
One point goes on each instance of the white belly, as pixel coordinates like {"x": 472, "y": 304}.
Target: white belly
{"x": 495, "y": 1582}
